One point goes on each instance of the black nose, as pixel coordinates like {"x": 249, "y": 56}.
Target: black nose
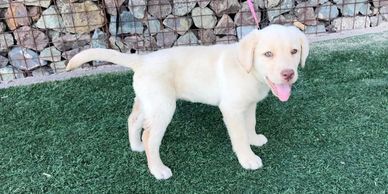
{"x": 288, "y": 74}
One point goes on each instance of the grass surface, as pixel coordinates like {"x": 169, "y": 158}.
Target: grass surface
{"x": 331, "y": 136}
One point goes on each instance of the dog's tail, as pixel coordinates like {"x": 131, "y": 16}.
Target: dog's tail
{"x": 99, "y": 54}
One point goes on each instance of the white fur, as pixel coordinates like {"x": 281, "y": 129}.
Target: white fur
{"x": 232, "y": 77}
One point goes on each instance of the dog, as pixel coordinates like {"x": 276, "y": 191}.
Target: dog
{"x": 233, "y": 77}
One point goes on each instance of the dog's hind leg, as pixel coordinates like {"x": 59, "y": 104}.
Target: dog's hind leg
{"x": 135, "y": 124}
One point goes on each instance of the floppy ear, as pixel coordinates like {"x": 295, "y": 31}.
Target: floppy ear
{"x": 247, "y": 48}
{"x": 304, "y": 48}
{"x": 304, "y": 45}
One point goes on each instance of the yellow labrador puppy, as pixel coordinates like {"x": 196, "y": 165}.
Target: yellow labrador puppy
{"x": 233, "y": 77}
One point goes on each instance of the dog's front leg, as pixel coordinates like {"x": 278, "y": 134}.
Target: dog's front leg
{"x": 254, "y": 138}
{"x": 236, "y": 125}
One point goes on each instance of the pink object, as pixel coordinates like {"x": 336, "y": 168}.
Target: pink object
{"x": 283, "y": 91}
{"x": 252, "y": 8}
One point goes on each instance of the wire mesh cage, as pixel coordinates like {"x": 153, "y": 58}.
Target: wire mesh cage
{"x": 37, "y": 37}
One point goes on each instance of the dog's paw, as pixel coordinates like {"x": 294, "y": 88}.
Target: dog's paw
{"x": 258, "y": 140}
{"x": 137, "y": 147}
{"x": 251, "y": 162}
{"x": 161, "y": 172}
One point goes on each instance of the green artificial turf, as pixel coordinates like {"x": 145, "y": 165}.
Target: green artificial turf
{"x": 330, "y": 137}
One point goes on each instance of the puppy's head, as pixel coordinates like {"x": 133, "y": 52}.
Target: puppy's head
{"x": 274, "y": 53}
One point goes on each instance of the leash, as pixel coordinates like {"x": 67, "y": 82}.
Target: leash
{"x": 252, "y": 8}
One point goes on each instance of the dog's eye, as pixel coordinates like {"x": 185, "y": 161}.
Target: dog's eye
{"x": 294, "y": 51}
{"x": 268, "y": 54}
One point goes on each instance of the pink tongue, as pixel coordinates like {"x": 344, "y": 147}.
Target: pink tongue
{"x": 283, "y": 91}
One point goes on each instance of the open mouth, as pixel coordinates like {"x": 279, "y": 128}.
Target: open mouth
{"x": 282, "y": 91}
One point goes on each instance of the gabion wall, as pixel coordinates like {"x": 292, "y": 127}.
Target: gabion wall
{"x": 38, "y": 36}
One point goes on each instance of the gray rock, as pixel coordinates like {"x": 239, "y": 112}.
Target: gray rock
{"x": 140, "y": 43}
{"x": 166, "y": 38}
{"x": 244, "y": 30}
{"x": 153, "y": 24}
{"x": 271, "y": 3}
{"x": 365, "y": 9}
{"x": 34, "y": 13}
{"x": 137, "y": 8}
{"x": 113, "y": 5}
{"x": 6, "y": 41}
{"x": 290, "y": 17}
{"x": 347, "y": 7}
{"x": 378, "y": 20}
{"x": 52, "y": 34}
{"x": 349, "y": 23}
{"x": 9, "y": 73}
{"x": 39, "y": 3}
{"x": 327, "y": 12}
{"x": 2, "y": 27}
{"x": 305, "y": 14}
{"x": 311, "y": 3}
{"x": 384, "y": 12}
{"x": 33, "y": 3}
{"x": 188, "y": 39}
{"x": 222, "y": 7}
{"x": 203, "y": 3}
{"x": 226, "y": 39}
{"x": 178, "y": 24}
{"x": 320, "y": 28}
{"x": 150, "y": 43}
{"x": 3, "y": 61}
{"x": 61, "y": 3}
{"x": 284, "y": 19}
{"x": 99, "y": 39}
{"x": 117, "y": 43}
{"x": 322, "y": 1}
{"x": 259, "y": 3}
{"x": 69, "y": 41}
{"x": 182, "y": 7}
{"x": 135, "y": 42}
{"x": 279, "y": 20}
{"x": 42, "y": 71}
{"x": 70, "y": 53}
{"x": 4, "y": 3}
{"x": 353, "y": 7}
{"x": 379, "y": 3}
{"x": 58, "y": 67}
{"x": 50, "y": 54}
{"x": 128, "y": 24}
{"x": 244, "y": 16}
{"x": 32, "y": 38}
{"x": 50, "y": 19}
{"x": 284, "y": 7}
{"x": 25, "y": 59}
{"x": 225, "y": 26}
{"x": 203, "y": 18}
{"x": 159, "y": 8}
{"x": 375, "y": 11}
{"x": 206, "y": 36}
{"x": 82, "y": 17}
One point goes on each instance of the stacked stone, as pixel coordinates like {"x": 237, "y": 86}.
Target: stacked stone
{"x": 38, "y": 36}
